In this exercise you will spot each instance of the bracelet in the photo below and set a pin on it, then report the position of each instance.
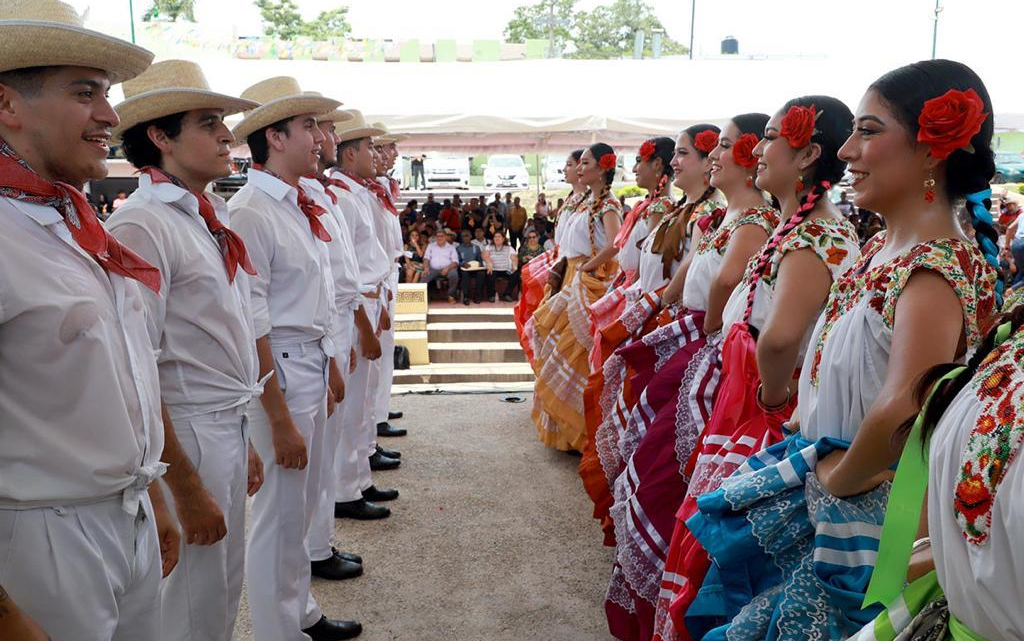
(920, 544)
(772, 408)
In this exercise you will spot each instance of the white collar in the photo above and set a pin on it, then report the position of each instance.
(41, 214)
(273, 186)
(171, 194)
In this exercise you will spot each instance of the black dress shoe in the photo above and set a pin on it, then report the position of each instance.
(389, 453)
(330, 630)
(394, 415)
(336, 568)
(376, 494)
(348, 556)
(465, 301)
(385, 429)
(361, 510)
(379, 462)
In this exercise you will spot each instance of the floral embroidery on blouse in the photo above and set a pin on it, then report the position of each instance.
(834, 240)
(661, 206)
(994, 440)
(765, 217)
(960, 264)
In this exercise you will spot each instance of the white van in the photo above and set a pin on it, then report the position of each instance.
(505, 171)
(446, 170)
(554, 172)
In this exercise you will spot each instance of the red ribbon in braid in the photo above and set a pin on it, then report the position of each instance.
(769, 250)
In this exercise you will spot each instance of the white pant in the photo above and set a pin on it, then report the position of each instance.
(358, 429)
(386, 374)
(319, 540)
(282, 510)
(84, 573)
(200, 598)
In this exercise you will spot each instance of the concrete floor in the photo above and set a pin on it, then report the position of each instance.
(491, 539)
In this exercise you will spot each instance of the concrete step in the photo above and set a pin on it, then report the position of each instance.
(522, 389)
(475, 332)
(410, 322)
(470, 314)
(443, 373)
(477, 353)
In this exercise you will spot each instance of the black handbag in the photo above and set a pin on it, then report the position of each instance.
(402, 357)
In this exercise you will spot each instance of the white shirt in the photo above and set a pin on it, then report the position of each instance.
(293, 294)
(200, 323)
(79, 389)
(374, 264)
(389, 226)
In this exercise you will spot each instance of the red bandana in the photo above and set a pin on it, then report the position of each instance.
(19, 182)
(376, 189)
(232, 247)
(308, 206)
(396, 191)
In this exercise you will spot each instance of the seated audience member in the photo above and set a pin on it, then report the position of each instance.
(470, 269)
(432, 208)
(410, 213)
(501, 263)
(531, 248)
(441, 258)
(450, 216)
(480, 239)
(413, 260)
(493, 223)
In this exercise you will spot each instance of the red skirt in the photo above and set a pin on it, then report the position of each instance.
(665, 427)
(602, 391)
(737, 429)
(534, 280)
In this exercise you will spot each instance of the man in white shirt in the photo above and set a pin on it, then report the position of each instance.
(356, 496)
(292, 299)
(172, 131)
(352, 325)
(82, 526)
(442, 260)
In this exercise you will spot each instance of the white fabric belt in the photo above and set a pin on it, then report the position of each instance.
(239, 403)
(130, 497)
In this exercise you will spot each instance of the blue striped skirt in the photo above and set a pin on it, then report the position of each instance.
(790, 561)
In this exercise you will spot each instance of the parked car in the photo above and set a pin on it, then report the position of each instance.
(505, 171)
(446, 170)
(554, 166)
(1009, 167)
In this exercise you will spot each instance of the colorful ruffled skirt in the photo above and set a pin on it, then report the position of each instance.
(561, 347)
(737, 429)
(675, 406)
(791, 561)
(534, 279)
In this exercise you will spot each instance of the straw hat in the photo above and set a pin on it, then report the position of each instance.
(280, 98)
(171, 87)
(355, 128)
(472, 266)
(49, 33)
(338, 115)
(387, 137)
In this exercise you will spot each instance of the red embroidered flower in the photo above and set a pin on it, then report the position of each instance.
(607, 162)
(743, 150)
(798, 126)
(705, 141)
(973, 499)
(836, 255)
(994, 383)
(950, 121)
(647, 150)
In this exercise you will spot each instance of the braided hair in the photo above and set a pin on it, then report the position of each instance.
(905, 90)
(664, 147)
(831, 130)
(597, 150)
(944, 394)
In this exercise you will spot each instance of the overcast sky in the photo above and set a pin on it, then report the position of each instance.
(881, 33)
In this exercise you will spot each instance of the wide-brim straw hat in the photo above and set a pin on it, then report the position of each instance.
(387, 137)
(355, 128)
(171, 87)
(472, 266)
(280, 98)
(50, 33)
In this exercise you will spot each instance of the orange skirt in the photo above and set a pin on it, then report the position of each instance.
(562, 342)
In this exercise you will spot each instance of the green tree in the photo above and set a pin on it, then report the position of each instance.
(282, 20)
(534, 22)
(171, 10)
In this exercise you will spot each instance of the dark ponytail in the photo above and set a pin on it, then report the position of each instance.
(943, 395)
(905, 90)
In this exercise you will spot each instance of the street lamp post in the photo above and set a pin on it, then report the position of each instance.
(935, 26)
(131, 19)
(693, 18)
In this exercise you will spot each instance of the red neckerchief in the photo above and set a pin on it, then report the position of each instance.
(307, 205)
(327, 182)
(375, 188)
(19, 182)
(396, 190)
(232, 247)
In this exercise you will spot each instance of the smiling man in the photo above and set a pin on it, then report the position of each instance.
(172, 131)
(293, 310)
(81, 526)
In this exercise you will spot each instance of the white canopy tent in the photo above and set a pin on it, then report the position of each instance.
(540, 106)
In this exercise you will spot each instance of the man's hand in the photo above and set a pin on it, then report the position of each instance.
(202, 521)
(335, 387)
(16, 625)
(255, 469)
(444, 272)
(385, 319)
(166, 531)
(352, 360)
(289, 446)
(369, 346)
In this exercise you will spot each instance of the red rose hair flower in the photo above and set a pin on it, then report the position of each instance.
(647, 150)
(607, 162)
(743, 150)
(950, 121)
(706, 141)
(798, 125)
